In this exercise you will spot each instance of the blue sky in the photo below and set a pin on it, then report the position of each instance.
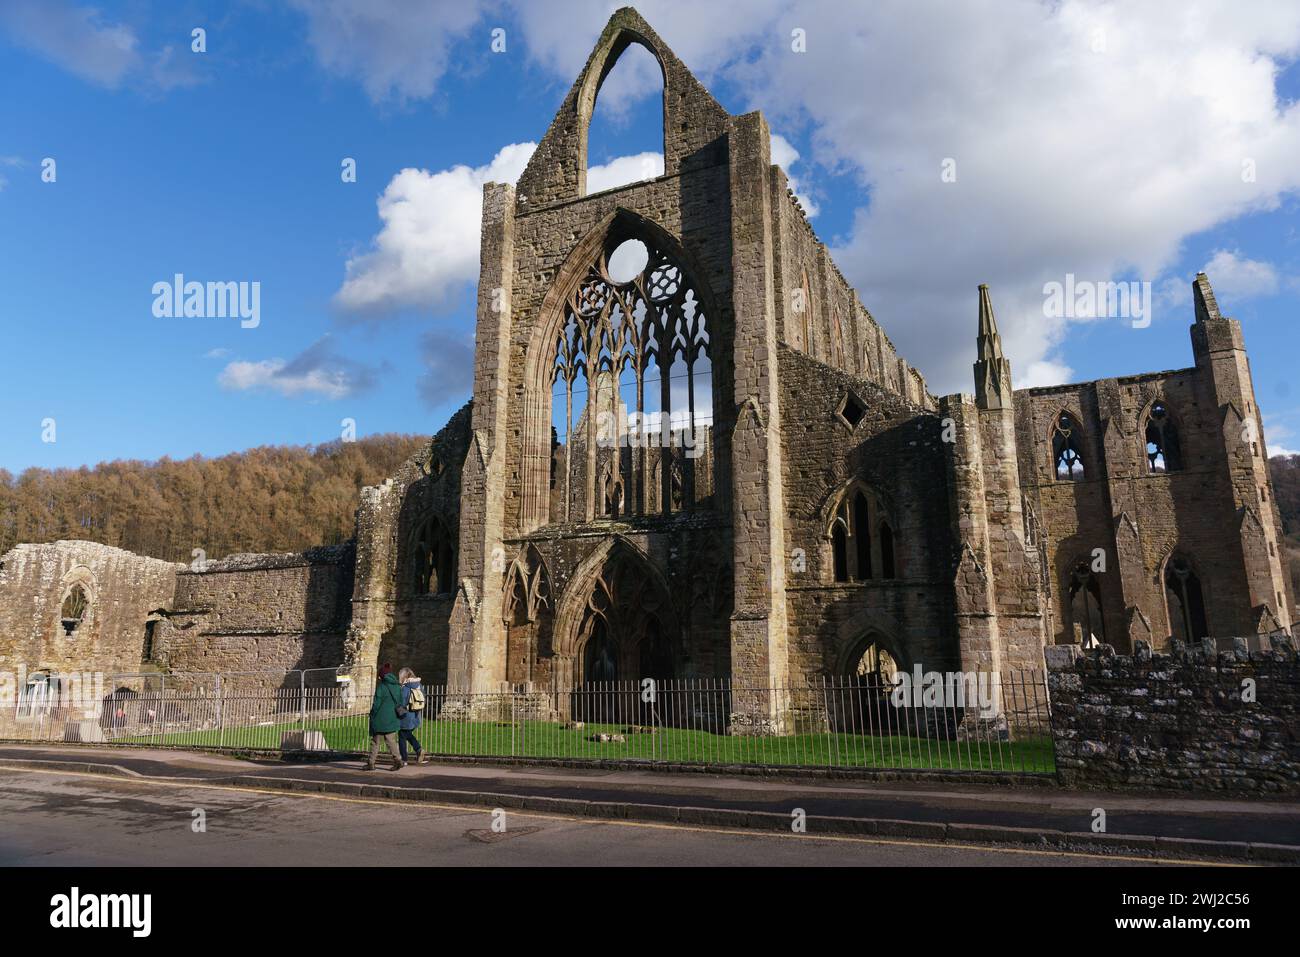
(1115, 163)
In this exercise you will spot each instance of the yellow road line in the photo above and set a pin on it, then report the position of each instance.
(660, 825)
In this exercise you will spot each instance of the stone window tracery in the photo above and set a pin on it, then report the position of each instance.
(631, 390)
(433, 558)
(528, 615)
(862, 537)
(624, 634)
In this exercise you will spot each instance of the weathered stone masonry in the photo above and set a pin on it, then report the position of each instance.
(827, 517)
(1193, 720)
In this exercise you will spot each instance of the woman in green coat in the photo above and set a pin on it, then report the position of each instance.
(384, 720)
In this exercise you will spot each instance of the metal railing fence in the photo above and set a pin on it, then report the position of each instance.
(954, 722)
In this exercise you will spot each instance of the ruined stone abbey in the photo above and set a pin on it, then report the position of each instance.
(692, 452)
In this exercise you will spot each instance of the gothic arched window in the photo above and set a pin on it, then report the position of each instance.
(1163, 454)
(627, 626)
(433, 558)
(872, 664)
(1085, 606)
(1186, 601)
(862, 534)
(632, 387)
(528, 619)
(1067, 448)
(840, 552)
(74, 608)
(862, 538)
(886, 537)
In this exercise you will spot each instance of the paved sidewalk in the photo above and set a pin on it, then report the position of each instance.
(1041, 808)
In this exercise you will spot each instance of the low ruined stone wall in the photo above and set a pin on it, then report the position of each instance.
(1194, 720)
(259, 613)
(122, 592)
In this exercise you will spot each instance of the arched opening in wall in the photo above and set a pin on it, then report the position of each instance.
(433, 557)
(625, 137)
(147, 652)
(861, 704)
(519, 652)
(840, 552)
(656, 655)
(1162, 449)
(1067, 448)
(1086, 621)
(1185, 600)
(625, 635)
(74, 608)
(886, 537)
(528, 619)
(640, 441)
(611, 490)
(599, 664)
(872, 662)
(861, 536)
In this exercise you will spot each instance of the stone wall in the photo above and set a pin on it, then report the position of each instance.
(819, 313)
(1179, 721)
(390, 622)
(1215, 511)
(123, 591)
(897, 449)
(259, 613)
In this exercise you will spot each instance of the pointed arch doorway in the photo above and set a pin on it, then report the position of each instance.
(623, 631)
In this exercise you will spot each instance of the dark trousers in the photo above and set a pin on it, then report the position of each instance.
(404, 736)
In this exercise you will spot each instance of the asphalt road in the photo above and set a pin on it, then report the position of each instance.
(1255, 818)
(60, 818)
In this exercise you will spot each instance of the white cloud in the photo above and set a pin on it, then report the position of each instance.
(318, 370)
(1072, 155)
(75, 38)
(396, 49)
(1236, 277)
(1042, 372)
(240, 376)
(785, 156)
(705, 36)
(428, 246)
(427, 250)
(1275, 433)
(623, 170)
(1100, 164)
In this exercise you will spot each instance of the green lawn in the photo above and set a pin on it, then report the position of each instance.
(546, 739)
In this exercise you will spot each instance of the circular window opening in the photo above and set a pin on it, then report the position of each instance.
(628, 261)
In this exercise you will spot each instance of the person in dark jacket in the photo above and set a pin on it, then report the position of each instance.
(411, 720)
(384, 720)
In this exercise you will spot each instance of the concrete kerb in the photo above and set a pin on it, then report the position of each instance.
(79, 767)
(772, 772)
(1182, 848)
